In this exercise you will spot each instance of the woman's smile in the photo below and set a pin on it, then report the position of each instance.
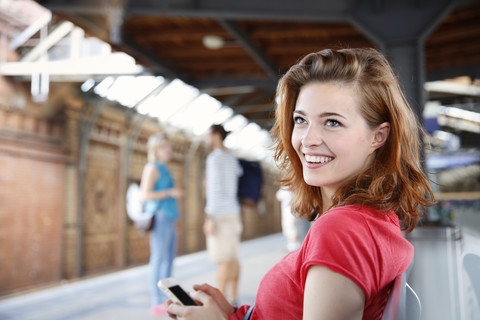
(316, 161)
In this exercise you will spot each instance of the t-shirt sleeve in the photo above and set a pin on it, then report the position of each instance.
(241, 312)
(342, 242)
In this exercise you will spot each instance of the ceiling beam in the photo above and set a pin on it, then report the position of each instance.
(255, 103)
(253, 108)
(26, 34)
(229, 90)
(85, 66)
(267, 84)
(260, 117)
(155, 64)
(304, 10)
(75, 7)
(57, 34)
(287, 10)
(241, 36)
(267, 123)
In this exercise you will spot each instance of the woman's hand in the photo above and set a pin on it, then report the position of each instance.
(176, 193)
(212, 305)
(217, 295)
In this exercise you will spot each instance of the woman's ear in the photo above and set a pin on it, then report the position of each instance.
(381, 135)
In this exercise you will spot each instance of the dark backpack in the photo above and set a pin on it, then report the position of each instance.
(250, 183)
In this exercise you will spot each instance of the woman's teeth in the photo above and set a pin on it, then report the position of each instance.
(317, 159)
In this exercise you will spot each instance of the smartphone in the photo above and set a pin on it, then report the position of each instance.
(172, 290)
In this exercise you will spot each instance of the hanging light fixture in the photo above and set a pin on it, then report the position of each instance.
(213, 42)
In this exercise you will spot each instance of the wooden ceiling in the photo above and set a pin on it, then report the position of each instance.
(259, 44)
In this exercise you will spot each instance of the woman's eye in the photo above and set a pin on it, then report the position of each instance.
(299, 120)
(333, 123)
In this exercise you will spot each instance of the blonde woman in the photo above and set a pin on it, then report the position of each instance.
(160, 197)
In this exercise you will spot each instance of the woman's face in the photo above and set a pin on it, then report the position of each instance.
(164, 151)
(331, 137)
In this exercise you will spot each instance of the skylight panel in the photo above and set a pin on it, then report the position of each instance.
(102, 88)
(197, 116)
(87, 85)
(170, 100)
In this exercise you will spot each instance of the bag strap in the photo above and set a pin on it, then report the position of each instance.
(249, 312)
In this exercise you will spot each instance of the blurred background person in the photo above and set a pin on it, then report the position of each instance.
(160, 197)
(294, 229)
(223, 224)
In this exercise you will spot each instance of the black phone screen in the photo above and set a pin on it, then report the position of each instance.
(182, 295)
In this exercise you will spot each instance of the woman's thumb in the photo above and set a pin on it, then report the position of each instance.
(200, 297)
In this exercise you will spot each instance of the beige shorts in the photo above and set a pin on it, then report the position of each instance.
(224, 244)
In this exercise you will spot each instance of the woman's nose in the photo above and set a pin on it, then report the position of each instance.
(312, 137)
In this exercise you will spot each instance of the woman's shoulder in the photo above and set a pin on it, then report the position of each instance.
(355, 217)
(158, 165)
(150, 167)
(354, 227)
(155, 167)
(355, 212)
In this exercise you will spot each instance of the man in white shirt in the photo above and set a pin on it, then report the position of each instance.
(223, 224)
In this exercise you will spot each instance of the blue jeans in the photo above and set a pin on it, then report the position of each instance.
(163, 248)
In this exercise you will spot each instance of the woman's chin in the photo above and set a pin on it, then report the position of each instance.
(312, 181)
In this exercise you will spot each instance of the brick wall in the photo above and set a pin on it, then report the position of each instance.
(32, 175)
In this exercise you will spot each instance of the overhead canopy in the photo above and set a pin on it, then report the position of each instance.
(236, 50)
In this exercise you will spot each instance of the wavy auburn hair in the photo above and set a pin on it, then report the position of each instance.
(395, 180)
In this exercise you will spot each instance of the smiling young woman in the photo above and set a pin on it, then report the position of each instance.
(348, 147)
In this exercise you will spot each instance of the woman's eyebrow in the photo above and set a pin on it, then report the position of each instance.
(322, 115)
(331, 114)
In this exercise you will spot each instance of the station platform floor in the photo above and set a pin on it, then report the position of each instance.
(124, 295)
(437, 277)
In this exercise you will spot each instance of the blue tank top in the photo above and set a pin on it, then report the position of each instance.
(167, 206)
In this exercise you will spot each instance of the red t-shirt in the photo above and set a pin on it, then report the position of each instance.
(360, 243)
